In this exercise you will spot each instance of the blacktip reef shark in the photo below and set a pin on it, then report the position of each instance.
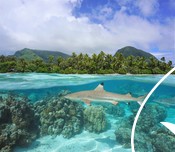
(169, 125)
(100, 95)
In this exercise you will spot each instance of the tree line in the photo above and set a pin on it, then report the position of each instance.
(84, 64)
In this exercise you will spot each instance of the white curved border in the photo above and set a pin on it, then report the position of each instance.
(170, 126)
(142, 105)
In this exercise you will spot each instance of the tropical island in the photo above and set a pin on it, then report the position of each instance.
(125, 60)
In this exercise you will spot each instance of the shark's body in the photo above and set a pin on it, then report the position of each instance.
(100, 95)
(169, 125)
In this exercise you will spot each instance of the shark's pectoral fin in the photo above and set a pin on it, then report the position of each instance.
(114, 102)
(140, 99)
(86, 101)
(139, 102)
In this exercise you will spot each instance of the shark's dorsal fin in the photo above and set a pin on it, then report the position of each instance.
(129, 94)
(99, 87)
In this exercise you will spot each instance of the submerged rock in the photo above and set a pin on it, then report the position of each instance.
(18, 124)
(94, 119)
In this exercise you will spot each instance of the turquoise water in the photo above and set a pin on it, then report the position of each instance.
(37, 87)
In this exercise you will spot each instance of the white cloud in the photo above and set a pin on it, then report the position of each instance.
(147, 7)
(22, 19)
(124, 3)
(170, 55)
(100, 13)
(44, 24)
(139, 32)
(167, 39)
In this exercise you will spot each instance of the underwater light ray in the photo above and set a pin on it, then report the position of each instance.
(143, 104)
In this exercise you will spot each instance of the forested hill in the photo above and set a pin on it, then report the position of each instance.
(28, 60)
(31, 54)
(129, 50)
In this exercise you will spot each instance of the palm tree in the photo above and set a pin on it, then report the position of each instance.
(2, 58)
(163, 59)
(170, 63)
(22, 65)
(108, 61)
(59, 60)
(153, 62)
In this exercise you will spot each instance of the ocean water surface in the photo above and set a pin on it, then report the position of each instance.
(43, 88)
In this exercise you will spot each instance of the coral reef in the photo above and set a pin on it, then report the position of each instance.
(151, 115)
(149, 135)
(18, 123)
(22, 121)
(162, 139)
(123, 133)
(59, 116)
(94, 119)
(123, 136)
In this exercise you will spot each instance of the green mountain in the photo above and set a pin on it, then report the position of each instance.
(129, 50)
(31, 54)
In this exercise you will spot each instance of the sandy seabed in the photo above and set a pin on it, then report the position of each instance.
(84, 142)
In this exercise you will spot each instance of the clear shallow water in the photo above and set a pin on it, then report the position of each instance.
(22, 81)
(84, 142)
(38, 86)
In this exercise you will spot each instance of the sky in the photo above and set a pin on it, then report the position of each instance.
(88, 26)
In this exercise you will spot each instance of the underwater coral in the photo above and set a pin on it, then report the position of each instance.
(149, 135)
(114, 110)
(94, 119)
(60, 116)
(18, 123)
(21, 122)
(162, 139)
